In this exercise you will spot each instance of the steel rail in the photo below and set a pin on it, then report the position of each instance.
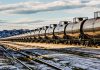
(14, 58)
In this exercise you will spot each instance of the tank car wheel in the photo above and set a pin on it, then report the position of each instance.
(66, 42)
(83, 43)
(69, 42)
(88, 43)
(56, 42)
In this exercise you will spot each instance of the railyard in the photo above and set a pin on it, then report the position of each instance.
(49, 35)
(34, 57)
(68, 45)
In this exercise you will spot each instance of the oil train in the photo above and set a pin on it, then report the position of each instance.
(82, 31)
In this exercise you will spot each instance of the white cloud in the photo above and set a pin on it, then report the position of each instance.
(41, 7)
(34, 7)
(79, 7)
(26, 23)
(24, 26)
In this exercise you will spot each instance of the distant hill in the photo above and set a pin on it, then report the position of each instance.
(8, 33)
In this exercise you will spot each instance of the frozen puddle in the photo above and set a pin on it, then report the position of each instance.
(73, 62)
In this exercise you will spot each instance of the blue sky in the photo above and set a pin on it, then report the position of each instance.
(17, 14)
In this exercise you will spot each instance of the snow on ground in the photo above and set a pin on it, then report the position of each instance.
(70, 61)
(73, 61)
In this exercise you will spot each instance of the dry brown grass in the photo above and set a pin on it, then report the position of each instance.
(25, 45)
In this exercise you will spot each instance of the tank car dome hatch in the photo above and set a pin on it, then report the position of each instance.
(97, 14)
(40, 28)
(67, 22)
(54, 25)
(47, 26)
(62, 23)
(36, 29)
(78, 19)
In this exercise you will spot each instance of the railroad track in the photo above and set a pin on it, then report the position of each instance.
(38, 56)
(6, 62)
(76, 51)
(32, 58)
(14, 59)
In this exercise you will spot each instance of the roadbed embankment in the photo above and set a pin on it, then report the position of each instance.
(73, 49)
(37, 45)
